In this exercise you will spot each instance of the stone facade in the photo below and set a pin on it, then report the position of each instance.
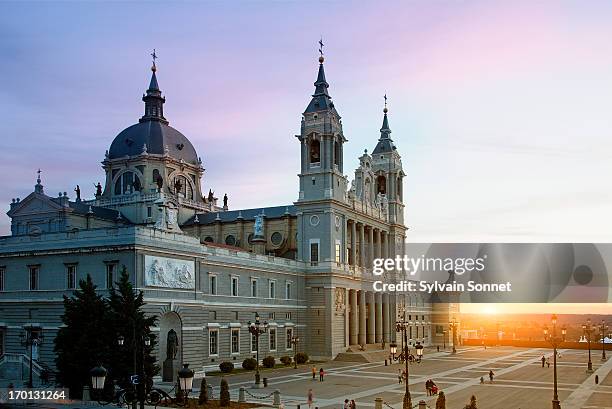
(205, 270)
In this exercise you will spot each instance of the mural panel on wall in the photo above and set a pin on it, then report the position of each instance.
(169, 272)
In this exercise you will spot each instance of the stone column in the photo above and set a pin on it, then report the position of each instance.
(371, 318)
(361, 245)
(362, 318)
(384, 246)
(347, 330)
(370, 248)
(353, 243)
(353, 320)
(379, 317)
(385, 318)
(377, 253)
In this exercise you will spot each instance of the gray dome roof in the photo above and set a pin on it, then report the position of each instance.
(156, 135)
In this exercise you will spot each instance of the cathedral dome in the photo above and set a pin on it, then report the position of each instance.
(153, 132)
(157, 136)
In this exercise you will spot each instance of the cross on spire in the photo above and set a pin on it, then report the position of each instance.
(321, 46)
(38, 177)
(154, 56)
(385, 110)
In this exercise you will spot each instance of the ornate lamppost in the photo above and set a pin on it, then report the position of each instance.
(256, 329)
(554, 341)
(185, 376)
(587, 328)
(294, 341)
(402, 326)
(30, 337)
(453, 325)
(602, 328)
(138, 380)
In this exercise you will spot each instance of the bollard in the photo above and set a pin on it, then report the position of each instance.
(596, 379)
(422, 405)
(265, 382)
(378, 402)
(241, 397)
(277, 398)
(86, 395)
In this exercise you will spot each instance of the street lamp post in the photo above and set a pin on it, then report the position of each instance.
(256, 329)
(294, 341)
(29, 337)
(453, 325)
(139, 383)
(185, 376)
(602, 328)
(587, 328)
(444, 332)
(554, 340)
(402, 326)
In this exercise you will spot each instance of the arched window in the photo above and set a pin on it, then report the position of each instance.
(337, 153)
(315, 151)
(181, 187)
(125, 183)
(399, 188)
(381, 185)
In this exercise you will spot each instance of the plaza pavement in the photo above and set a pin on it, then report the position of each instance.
(520, 381)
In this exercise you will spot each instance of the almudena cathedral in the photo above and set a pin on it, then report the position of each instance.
(205, 270)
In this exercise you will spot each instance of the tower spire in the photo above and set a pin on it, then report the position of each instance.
(38, 188)
(321, 100)
(385, 144)
(154, 102)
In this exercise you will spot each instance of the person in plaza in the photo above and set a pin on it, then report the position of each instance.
(428, 387)
(321, 374)
(491, 374)
(548, 362)
(482, 379)
(314, 372)
(399, 376)
(310, 398)
(433, 388)
(347, 404)
(353, 406)
(543, 361)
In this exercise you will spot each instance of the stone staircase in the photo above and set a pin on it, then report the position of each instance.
(370, 353)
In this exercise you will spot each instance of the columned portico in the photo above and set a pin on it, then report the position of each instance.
(385, 318)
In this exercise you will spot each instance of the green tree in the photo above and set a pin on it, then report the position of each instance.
(203, 398)
(224, 395)
(129, 321)
(84, 341)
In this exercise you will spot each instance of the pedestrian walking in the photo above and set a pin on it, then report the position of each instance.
(314, 372)
(347, 404)
(321, 373)
(491, 374)
(399, 376)
(428, 387)
(353, 406)
(548, 362)
(543, 361)
(482, 379)
(310, 398)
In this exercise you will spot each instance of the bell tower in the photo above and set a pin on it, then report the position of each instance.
(321, 140)
(388, 172)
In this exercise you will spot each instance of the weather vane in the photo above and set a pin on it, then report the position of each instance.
(321, 46)
(385, 99)
(38, 177)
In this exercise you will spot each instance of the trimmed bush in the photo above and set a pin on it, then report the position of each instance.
(224, 395)
(268, 362)
(286, 360)
(301, 357)
(203, 398)
(226, 367)
(249, 364)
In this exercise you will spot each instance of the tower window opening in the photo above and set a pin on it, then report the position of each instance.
(315, 151)
(381, 185)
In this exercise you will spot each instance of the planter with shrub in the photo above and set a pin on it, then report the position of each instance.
(286, 360)
(249, 364)
(226, 367)
(301, 357)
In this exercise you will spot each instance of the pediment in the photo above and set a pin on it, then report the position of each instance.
(35, 203)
